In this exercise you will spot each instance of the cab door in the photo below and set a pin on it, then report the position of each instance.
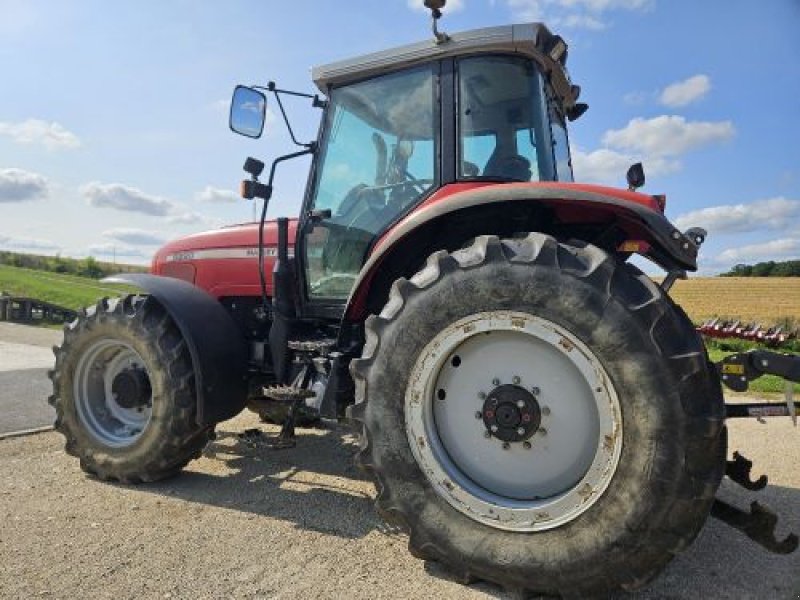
(377, 160)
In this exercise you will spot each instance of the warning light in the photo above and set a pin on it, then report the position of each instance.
(638, 246)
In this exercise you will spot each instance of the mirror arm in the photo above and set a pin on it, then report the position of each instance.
(310, 149)
(316, 103)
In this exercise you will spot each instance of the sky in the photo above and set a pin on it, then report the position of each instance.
(113, 116)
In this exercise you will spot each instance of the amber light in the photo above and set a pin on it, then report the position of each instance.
(639, 246)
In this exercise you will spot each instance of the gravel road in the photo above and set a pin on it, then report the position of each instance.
(248, 522)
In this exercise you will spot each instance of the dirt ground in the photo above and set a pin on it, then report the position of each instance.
(248, 522)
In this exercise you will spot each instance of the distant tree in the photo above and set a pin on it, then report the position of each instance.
(92, 269)
(787, 268)
(60, 265)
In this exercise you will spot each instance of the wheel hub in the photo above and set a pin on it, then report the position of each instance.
(511, 413)
(131, 388)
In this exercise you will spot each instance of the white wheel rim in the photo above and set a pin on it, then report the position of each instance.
(573, 454)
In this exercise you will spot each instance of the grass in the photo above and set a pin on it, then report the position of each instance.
(68, 291)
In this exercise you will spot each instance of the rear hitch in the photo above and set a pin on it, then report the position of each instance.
(758, 525)
(738, 470)
(737, 370)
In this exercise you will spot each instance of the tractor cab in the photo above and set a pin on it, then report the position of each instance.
(486, 106)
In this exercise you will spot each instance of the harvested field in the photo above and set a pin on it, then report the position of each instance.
(765, 299)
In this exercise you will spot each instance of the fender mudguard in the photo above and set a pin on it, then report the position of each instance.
(218, 350)
(670, 248)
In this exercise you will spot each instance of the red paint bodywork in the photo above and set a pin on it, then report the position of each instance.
(225, 277)
(571, 211)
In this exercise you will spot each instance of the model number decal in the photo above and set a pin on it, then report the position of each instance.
(223, 253)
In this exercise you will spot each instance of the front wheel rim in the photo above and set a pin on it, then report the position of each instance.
(103, 415)
(534, 467)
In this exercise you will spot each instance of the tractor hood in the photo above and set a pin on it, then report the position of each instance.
(223, 261)
(243, 235)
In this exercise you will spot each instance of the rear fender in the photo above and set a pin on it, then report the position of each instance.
(217, 348)
(566, 206)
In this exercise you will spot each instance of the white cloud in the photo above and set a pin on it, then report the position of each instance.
(579, 21)
(217, 195)
(575, 14)
(117, 250)
(775, 249)
(667, 135)
(187, 218)
(768, 214)
(27, 244)
(451, 6)
(52, 136)
(136, 237)
(609, 166)
(17, 185)
(123, 197)
(685, 92)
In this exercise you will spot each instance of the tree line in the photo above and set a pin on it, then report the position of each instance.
(786, 268)
(81, 267)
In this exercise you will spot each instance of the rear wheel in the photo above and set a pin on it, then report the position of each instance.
(123, 390)
(540, 416)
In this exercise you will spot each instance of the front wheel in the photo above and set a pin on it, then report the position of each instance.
(540, 416)
(123, 390)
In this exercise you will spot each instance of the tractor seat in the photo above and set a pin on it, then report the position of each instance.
(509, 166)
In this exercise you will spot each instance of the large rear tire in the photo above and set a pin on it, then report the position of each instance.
(123, 390)
(609, 463)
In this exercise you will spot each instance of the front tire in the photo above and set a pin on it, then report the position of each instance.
(123, 390)
(630, 487)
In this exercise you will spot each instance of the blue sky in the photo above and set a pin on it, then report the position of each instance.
(113, 116)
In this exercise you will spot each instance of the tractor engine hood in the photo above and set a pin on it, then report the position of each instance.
(224, 262)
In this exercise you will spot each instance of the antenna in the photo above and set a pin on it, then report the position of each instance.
(436, 7)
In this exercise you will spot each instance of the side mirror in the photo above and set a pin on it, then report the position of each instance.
(248, 111)
(635, 176)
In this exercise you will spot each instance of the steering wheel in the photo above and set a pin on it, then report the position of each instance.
(358, 195)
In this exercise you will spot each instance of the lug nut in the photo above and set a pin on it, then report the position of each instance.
(526, 445)
(535, 391)
(495, 382)
(520, 431)
(516, 379)
(506, 445)
(520, 404)
(494, 428)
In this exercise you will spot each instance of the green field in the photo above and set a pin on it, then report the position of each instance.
(68, 291)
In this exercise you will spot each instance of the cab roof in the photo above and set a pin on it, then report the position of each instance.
(533, 40)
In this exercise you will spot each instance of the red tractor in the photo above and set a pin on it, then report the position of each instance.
(535, 410)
